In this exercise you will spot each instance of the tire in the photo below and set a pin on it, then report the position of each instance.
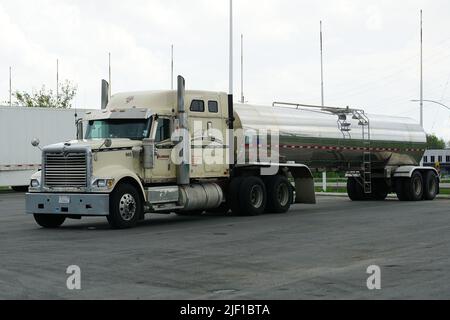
(414, 187)
(380, 190)
(125, 207)
(49, 221)
(355, 190)
(20, 188)
(233, 195)
(431, 186)
(252, 197)
(400, 189)
(280, 194)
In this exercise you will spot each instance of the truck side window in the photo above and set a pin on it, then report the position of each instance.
(198, 106)
(213, 107)
(163, 131)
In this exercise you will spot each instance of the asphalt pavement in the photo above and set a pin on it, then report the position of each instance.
(317, 251)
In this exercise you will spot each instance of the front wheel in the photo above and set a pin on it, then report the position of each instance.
(49, 221)
(125, 207)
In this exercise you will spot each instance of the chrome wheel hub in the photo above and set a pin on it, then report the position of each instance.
(283, 194)
(256, 196)
(127, 207)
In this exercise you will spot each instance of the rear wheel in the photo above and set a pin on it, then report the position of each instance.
(401, 190)
(279, 194)
(355, 190)
(431, 185)
(380, 190)
(49, 221)
(125, 207)
(252, 196)
(233, 199)
(411, 189)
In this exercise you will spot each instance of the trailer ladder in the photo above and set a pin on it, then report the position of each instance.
(367, 154)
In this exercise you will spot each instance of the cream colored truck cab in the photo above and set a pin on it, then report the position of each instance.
(131, 160)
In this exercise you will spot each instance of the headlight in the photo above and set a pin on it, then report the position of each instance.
(34, 183)
(104, 183)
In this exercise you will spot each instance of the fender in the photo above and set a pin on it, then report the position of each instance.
(407, 171)
(118, 173)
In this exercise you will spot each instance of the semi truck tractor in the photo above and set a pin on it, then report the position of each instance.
(190, 152)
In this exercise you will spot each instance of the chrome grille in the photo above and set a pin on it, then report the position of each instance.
(65, 170)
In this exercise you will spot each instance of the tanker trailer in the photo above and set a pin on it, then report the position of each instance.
(379, 154)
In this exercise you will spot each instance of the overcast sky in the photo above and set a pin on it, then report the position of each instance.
(371, 48)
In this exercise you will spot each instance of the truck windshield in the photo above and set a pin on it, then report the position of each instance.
(118, 128)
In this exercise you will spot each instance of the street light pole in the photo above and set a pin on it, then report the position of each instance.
(432, 101)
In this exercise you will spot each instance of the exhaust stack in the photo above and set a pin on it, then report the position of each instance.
(183, 170)
(105, 94)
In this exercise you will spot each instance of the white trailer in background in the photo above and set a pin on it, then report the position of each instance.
(18, 126)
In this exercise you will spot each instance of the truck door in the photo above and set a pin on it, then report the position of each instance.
(163, 167)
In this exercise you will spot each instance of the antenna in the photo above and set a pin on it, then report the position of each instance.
(171, 74)
(10, 88)
(321, 65)
(57, 82)
(230, 90)
(242, 69)
(109, 68)
(421, 68)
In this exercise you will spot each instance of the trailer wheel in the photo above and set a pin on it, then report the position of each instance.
(431, 185)
(380, 190)
(355, 190)
(49, 221)
(252, 196)
(413, 187)
(400, 189)
(125, 207)
(233, 199)
(279, 194)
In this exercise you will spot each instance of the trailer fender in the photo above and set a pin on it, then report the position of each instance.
(407, 171)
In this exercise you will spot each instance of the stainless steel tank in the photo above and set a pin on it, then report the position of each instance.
(314, 137)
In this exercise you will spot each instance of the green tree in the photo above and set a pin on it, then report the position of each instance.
(47, 98)
(434, 142)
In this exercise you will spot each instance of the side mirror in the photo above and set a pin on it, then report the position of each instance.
(35, 142)
(108, 143)
(80, 129)
(149, 153)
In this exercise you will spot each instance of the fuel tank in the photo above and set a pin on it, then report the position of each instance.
(320, 140)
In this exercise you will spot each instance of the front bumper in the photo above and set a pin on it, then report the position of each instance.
(67, 204)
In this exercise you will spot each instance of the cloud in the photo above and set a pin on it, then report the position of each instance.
(370, 58)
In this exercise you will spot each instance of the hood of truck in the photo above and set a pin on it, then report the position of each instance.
(95, 144)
